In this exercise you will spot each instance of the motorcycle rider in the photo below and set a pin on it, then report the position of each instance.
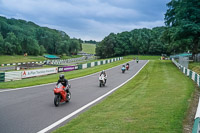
(123, 67)
(63, 81)
(104, 74)
(127, 66)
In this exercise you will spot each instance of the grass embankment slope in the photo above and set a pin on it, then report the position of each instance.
(6, 59)
(155, 101)
(88, 48)
(195, 66)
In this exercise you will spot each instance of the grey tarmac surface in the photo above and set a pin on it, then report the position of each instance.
(32, 109)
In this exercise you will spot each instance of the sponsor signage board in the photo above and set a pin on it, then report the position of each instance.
(38, 72)
(67, 68)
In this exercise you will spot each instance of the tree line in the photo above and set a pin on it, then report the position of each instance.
(181, 34)
(138, 41)
(20, 36)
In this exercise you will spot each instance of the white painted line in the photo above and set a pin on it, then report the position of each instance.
(85, 106)
(28, 87)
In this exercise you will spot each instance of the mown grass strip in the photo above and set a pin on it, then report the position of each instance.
(88, 48)
(6, 59)
(54, 77)
(156, 100)
(143, 57)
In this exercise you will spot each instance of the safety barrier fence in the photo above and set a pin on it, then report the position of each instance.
(18, 75)
(196, 78)
(92, 64)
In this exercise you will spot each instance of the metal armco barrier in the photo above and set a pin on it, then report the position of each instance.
(97, 63)
(2, 77)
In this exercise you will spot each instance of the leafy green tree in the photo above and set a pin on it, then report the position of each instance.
(42, 50)
(183, 16)
(22, 36)
(74, 46)
(1, 44)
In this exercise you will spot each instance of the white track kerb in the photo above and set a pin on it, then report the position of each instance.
(87, 105)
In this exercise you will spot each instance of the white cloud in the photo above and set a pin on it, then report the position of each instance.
(87, 19)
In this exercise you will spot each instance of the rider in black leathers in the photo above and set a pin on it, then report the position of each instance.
(63, 81)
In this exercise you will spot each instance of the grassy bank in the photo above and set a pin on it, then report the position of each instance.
(143, 57)
(54, 77)
(155, 101)
(195, 66)
(88, 48)
(6, 59)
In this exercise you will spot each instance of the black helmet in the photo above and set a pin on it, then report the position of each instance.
(62, 76)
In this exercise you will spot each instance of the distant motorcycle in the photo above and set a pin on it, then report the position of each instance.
(127, 67)
(123, 69)
(61, 95)
(102, 80)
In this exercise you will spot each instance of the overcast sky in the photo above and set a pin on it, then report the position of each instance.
(88, 19)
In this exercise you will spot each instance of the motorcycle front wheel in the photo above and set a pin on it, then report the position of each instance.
(56, 100)
(68, 96)
(100, 83)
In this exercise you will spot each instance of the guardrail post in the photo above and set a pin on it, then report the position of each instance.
(96, 63)
(2, 77)
(195, 128)
(88, 65)
(195, 79)
(80, 66)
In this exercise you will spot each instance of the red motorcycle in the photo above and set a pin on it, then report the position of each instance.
(61, 95)
(127, 67)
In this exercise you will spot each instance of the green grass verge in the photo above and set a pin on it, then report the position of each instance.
(143, 57)
(88, 48)
(6, 59)
(195, 66)
(54, 77)
(155, 101)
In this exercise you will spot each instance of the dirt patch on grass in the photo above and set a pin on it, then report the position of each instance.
(189, 120)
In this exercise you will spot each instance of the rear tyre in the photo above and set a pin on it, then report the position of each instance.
(100, 84)
(57, 100)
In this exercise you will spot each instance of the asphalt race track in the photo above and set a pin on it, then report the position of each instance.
(32, 109)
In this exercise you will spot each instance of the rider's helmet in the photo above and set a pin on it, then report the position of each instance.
(103, 71)
(62, 76)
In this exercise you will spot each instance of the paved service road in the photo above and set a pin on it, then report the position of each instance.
(32, 109)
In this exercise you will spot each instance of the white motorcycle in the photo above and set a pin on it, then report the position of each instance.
(102, 80)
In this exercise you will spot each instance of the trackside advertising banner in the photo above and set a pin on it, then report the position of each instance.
(39, 72)
(67, 68)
